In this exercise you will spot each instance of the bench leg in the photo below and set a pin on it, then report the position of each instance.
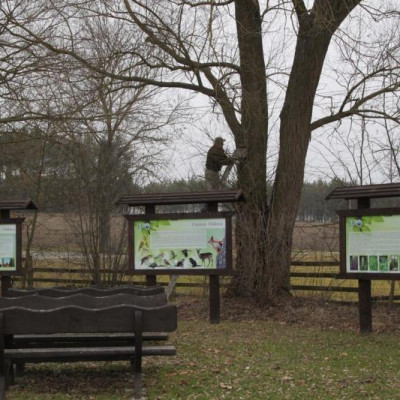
(137, 361)
(10, 380)
(5, 379)
(2, 387)
(3, 362)
(19, 369)
(138, 385)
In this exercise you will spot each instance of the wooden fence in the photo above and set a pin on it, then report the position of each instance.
(308, 278)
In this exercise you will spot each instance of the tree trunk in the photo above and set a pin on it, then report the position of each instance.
(251, 222)
(265, 238)
(295, 135)
(314, 36)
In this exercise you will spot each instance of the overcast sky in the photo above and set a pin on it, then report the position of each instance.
(321, 163)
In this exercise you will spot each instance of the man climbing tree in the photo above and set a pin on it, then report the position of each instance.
(216, 159)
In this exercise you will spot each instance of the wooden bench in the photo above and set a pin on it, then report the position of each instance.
(39, 302)
(75, 320)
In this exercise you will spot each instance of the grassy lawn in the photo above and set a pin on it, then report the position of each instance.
(237, 360)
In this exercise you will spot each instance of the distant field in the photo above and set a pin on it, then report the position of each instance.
(319, 238)
(54, 233)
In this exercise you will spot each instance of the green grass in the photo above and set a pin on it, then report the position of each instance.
(250, 360)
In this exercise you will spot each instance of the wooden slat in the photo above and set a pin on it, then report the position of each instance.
(84, 353)
(57, 281)
(59, 271)
(219, 196)
(325, 288)
(39, 302)
(367, 191)
(40, 340)
(73, 319)
(91, 291)
(19, 204)
(313, 275)
(315, 263)
(62, 270)
(385, 298)
(88, 282)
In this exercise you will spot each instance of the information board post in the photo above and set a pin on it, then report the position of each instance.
(5, 280)
(151, 280)
(214, 285)
(364, 287)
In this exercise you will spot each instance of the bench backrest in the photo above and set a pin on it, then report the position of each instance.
(74, 319)
(91, 291)
(39, 302)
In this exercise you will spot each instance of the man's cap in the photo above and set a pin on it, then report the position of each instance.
(219, 139)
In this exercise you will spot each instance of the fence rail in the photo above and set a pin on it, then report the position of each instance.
(307, 278)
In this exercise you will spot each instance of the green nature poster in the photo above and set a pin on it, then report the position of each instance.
(185, 243)
(8, 247)
(373, 244)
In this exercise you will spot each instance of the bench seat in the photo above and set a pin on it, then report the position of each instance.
(56, 354)
(78, 339)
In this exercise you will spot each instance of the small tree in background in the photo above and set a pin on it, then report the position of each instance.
(105, 139)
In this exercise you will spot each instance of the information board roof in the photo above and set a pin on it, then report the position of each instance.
(25, 204)
(367, 191)
(214, 196)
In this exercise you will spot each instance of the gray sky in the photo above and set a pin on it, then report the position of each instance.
(346, 160)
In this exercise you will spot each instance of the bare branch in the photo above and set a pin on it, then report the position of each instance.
(212, 3)
(300, 9)
(131, 78)
(226, 105)
(355, 109)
